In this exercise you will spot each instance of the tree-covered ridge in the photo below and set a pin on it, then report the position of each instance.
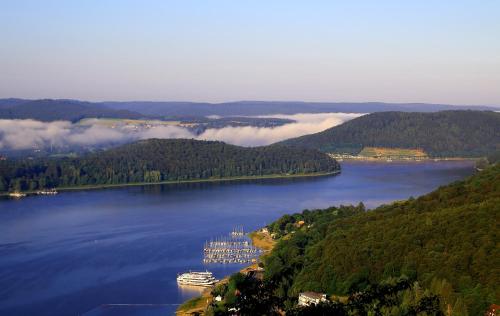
(446, 240)
(157, 160)
(60, 110)
(440, 134)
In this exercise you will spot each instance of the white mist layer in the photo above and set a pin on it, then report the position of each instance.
(28, 134)
(305, 123)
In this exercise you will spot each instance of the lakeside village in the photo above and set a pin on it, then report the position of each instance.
(237, 248)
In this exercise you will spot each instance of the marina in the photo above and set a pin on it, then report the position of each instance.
(235, 248)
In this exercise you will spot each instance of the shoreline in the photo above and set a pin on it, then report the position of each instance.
(242, 178)
(260, 240)
(226, 179)
(391, 159)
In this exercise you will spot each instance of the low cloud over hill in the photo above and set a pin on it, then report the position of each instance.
(26, 134)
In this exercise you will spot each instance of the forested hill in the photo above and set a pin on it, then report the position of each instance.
(446, 241)
(440, 134)
(59, 110)
(157, 160)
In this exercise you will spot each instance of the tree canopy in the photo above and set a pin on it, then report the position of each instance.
(157, 160)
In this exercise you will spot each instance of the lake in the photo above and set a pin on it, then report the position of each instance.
(69, 253)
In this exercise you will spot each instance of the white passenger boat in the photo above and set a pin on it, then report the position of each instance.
(197, 278)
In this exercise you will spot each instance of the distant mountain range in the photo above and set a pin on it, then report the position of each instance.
(74, 110)
(283, 107)
(441, 134)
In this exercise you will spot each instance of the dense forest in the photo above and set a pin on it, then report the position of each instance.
(441, 134)
(157, 160)
(434, 255)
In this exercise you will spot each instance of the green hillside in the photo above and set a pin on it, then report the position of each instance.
(432, 255)
(160, 160)
(440, 134)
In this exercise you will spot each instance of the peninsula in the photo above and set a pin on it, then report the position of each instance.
(156, 161)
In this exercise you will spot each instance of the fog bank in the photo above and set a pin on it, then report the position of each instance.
(31, 134)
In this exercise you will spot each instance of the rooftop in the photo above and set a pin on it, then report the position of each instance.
(314, 295)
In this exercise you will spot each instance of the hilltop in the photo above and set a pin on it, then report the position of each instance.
(440, 134)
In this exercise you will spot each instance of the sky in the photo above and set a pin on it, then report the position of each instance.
(214, 51)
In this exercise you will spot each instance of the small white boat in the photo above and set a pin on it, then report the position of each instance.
(17, 195)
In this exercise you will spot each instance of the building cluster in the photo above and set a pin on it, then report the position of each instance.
(311, 298)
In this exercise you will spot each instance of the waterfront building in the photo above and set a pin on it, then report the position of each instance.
(310, 298)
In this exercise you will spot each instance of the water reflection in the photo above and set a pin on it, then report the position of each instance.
(191, 290)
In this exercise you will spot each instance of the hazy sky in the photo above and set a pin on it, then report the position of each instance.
(210, 50)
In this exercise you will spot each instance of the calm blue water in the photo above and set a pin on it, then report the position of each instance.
(66, 254)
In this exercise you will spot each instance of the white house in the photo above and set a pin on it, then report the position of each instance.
(308, 298)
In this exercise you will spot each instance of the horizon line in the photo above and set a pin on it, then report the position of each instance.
(250, 101)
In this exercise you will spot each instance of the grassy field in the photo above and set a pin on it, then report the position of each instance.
(384, 152)
(194, 306)
(262, 240)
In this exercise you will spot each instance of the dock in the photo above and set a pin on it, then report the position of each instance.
(234, 248)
